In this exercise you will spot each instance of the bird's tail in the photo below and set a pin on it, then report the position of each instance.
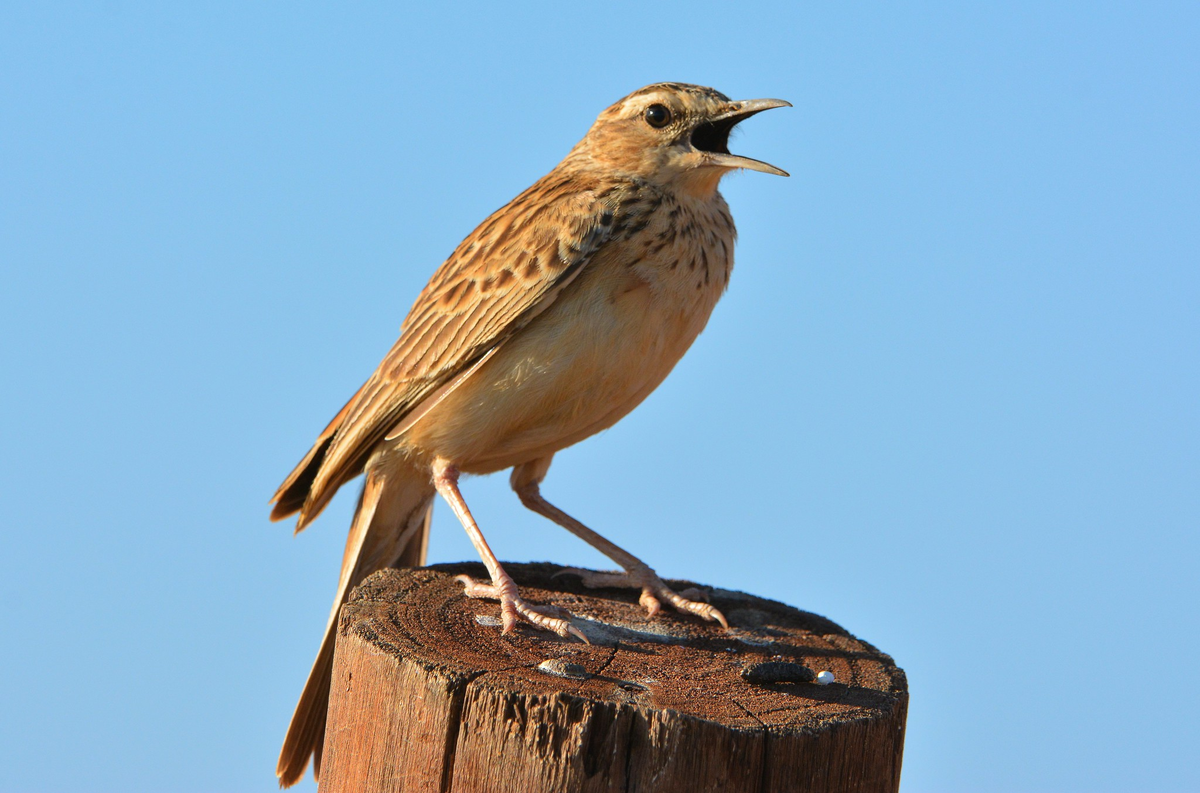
(390, 529)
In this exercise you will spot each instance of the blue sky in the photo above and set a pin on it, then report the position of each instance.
(950, 400)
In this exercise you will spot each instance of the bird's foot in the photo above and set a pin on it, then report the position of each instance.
(654, 591)
(514, 608)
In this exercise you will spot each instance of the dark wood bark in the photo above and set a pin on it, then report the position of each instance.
(427, 695)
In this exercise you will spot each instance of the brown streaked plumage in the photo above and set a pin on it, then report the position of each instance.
(551, 321)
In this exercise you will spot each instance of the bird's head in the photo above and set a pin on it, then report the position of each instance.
(673, 134)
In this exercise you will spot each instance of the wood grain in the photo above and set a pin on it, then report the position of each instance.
(427, 695)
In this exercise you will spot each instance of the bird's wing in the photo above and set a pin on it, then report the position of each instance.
(500, 277)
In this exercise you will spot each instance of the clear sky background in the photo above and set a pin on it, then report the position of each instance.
(950, 400)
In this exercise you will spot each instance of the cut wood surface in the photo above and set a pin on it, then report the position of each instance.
(427, 695)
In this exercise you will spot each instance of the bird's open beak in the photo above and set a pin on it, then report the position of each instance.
(712, 137)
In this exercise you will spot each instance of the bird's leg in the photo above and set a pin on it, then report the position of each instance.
(512, 606)
(526, 481)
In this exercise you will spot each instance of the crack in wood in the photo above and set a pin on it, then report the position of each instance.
(457, 697)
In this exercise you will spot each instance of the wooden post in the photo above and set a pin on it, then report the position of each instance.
(427, 695)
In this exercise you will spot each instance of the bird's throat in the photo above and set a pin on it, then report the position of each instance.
(702, 183)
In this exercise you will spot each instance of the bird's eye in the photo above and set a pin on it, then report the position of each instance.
(658, 116)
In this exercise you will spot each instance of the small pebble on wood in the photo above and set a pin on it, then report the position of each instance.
(561, 668)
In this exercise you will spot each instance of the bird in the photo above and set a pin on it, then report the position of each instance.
(550, 322)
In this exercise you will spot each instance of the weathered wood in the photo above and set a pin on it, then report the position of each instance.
(427, 695)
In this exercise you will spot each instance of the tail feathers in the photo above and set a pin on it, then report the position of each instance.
(306, 733)
(390, 528)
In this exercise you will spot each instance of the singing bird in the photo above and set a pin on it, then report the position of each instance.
(550, 322)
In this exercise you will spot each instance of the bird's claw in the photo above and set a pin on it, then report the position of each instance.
(514, 609)
(654, 591)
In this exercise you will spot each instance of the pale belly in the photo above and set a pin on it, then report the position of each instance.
(593, 356)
